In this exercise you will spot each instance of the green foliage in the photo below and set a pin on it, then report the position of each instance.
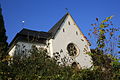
(100, 59)
(4, 69)
(39, 66)
(3, 48)
(106, 66)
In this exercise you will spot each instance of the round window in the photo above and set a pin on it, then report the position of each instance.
(72, 49)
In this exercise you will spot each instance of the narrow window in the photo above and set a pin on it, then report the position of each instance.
(61, 51)
(69, 22)
(85, 50)
(74, 64)
(86, 46)
(76, 33)
(63, 30)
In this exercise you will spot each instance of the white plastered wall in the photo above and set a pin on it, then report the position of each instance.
(24, 46)
(68, 35)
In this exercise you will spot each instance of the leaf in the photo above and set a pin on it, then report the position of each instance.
(89, 34)
(102, 37)
(111, 33)
(102, 31)
(102, 26)
(89, 53)
(101, 45)
(96, 19)
(104, 21)
(109, 18)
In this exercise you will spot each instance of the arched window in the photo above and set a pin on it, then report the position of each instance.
(76, 33)
(76, 65)
(69, 22)
(72, 49)
(63, 30)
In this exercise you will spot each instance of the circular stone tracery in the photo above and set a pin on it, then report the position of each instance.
(72, 49)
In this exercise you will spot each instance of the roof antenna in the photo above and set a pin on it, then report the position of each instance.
(67, 10)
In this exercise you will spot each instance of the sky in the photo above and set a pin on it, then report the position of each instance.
(41, 15)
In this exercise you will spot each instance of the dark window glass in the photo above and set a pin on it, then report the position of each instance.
(63, 30)
(76, 33)
(69, 22)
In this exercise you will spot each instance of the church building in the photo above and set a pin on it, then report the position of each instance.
(64, 41)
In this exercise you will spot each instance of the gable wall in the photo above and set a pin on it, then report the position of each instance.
(62, 39)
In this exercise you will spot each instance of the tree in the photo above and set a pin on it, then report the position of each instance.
(105, 35)
(3, 37)
(3, 49)
(105, 56)
(39, 66)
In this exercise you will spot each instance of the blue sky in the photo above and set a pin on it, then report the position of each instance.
(41, 15)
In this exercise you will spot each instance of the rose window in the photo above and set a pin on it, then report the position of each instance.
(72, 49)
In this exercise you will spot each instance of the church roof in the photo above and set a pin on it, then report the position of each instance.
(32, 33)
(57, 26)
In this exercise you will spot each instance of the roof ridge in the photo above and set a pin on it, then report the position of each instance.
(31, 30)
